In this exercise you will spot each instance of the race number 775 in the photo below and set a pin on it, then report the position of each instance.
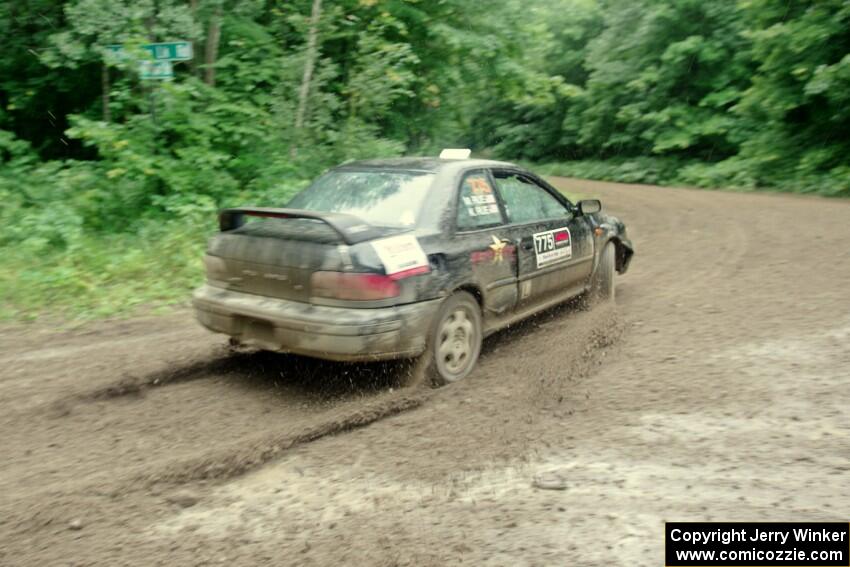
(544, 242)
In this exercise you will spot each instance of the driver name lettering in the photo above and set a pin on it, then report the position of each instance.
(477, 205)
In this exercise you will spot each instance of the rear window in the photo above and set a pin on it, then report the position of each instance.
(381, 198)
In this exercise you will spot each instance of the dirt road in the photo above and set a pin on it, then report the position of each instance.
(716, 390)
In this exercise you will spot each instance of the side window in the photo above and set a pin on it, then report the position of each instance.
(526, 201)
(477, 206)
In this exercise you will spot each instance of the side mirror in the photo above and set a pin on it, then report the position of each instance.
(589, 206)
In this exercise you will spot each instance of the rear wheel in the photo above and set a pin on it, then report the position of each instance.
(454, 341)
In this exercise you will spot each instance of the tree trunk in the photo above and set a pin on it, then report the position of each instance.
(193, 63)
(309, 64)
(104, 87)
(211, 52)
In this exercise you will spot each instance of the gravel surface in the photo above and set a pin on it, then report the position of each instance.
(716, 389)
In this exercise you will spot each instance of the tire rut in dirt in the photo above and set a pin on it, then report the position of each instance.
(217, 418)
(227, 462)
(316, 379)
(135, 385)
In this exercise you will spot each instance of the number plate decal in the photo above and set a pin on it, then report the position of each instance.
(552, 246)
(400, 254)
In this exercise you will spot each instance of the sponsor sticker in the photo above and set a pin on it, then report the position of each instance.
(552, 246)
(480, 200)
(479, 186)
(401, 254)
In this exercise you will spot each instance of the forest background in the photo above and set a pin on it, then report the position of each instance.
(109, 182)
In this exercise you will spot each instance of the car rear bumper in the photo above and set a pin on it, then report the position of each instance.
(334, 333)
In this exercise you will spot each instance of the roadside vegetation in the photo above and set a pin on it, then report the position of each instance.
(109, 183)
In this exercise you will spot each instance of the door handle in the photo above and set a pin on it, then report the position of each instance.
(527, 245)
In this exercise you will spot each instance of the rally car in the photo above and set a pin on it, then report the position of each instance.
(404, 258)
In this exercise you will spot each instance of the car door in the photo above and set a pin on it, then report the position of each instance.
(554, 245)
(481, 243)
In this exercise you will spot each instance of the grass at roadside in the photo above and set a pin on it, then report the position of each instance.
(111, 275)
(106, 275)
(102, 276)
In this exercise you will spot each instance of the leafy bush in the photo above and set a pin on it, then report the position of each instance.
(637, 170)
(107, 181)
(100, 276)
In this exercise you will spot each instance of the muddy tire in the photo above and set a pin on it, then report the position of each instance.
(453, 344)
(602, 284)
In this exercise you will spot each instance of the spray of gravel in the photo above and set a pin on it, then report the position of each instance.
(497, 433)
(575, 339)
(550, 355)
(529, 373)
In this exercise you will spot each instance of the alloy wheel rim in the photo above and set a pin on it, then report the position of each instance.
(456, 342)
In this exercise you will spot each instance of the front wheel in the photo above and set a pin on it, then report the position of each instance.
(454, 341)
(602, 283)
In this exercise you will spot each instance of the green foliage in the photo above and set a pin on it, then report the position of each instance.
(98, 277)
(798, 104)
(651, 170)
(725, 94)
(656, 76)
(104, 175)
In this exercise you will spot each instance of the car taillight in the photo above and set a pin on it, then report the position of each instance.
(353, 286)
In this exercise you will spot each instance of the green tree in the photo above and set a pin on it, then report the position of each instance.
(663, 78)
(798, 105)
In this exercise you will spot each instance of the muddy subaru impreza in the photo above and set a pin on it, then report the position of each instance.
(403, 258)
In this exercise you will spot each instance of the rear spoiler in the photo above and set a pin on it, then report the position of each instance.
(349, 227)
